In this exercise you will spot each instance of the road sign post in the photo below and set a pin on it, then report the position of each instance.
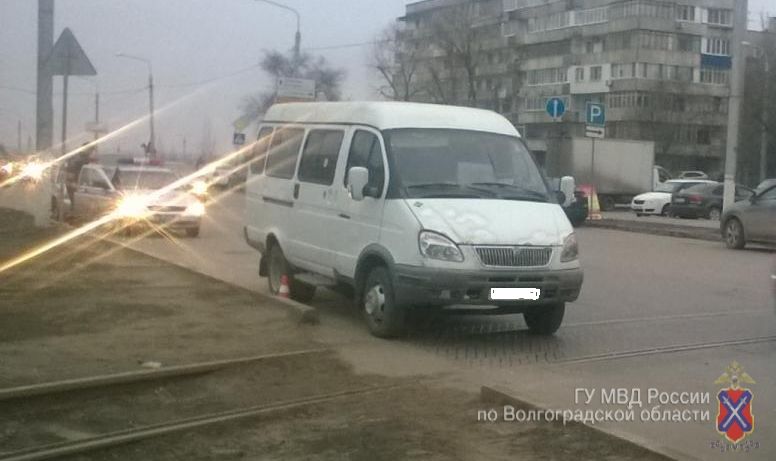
(595, 116)
(68, 58)
(556, 108)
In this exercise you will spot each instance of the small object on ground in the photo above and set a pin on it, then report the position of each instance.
(152, 365)
(284, 291)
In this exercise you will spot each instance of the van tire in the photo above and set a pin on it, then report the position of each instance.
(545, 320)
(383, 316)
(277, 265)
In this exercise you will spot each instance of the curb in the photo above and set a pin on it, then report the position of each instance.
(297, 312)
(666, 230)
(496, 395)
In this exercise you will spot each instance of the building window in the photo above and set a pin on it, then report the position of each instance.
(720, 17)
(595, 74)
(717, 46)
(685, 13)
(579, 74)
(546, 76)
(704, 136)
(714, 76)
(691, 43)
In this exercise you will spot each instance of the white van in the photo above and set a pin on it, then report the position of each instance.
(411, 206)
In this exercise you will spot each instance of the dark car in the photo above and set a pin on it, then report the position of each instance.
(752, 220)
(704, 201)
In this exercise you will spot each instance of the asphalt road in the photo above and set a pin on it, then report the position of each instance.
(654, 311)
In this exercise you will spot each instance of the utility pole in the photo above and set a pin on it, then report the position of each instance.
(44, 113)
(766, 109)
(740, 25)
(152, 145)
(19, 136)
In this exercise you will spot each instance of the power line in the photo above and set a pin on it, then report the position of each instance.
(347, 45)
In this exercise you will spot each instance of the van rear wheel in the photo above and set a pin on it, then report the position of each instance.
(383, 316)
(277, 267)
(545, 320)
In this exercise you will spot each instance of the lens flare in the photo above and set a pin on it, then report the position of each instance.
(132, 206)
(33, 170)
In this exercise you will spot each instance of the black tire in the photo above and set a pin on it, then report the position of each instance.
(545, 320)
(666, 211)
(383, 316)
(715, 213)
(638, 215)
(277, 266)
(734, 235)
(192, 232)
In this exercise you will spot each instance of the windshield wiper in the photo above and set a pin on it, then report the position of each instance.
(526, 194)
(462, 190)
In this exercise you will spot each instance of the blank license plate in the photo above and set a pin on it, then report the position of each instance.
(515, 294)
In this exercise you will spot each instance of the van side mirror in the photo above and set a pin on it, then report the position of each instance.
(358, 178)
(567, 187)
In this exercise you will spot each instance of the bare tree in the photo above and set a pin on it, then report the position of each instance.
(453, 31)
(396, 61)
(277, 65)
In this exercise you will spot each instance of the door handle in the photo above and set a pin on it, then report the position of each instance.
(296, 191)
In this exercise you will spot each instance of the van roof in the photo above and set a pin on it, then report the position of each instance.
(391, 115)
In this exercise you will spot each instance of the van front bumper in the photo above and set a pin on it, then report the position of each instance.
(424, 286)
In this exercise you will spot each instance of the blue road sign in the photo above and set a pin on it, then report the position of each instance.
(556, 107)
(595, 114)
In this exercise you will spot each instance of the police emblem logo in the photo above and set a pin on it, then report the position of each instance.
(735, 419)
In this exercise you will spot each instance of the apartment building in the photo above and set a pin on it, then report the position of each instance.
(661, 67)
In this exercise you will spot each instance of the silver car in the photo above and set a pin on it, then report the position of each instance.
(752, 220)
(130, 193)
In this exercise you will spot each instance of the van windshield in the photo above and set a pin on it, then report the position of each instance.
(442, 163)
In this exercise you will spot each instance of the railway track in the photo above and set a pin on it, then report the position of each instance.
(140, 385)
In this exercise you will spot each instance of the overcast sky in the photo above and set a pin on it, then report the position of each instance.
(188, 41)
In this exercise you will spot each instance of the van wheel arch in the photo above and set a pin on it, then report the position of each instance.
(368, 261)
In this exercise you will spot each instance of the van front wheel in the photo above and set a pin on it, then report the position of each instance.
(545, 320)
(384, 318)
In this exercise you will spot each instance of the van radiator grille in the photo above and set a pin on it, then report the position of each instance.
(514, 256)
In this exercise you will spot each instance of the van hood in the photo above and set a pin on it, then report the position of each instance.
(493, 222)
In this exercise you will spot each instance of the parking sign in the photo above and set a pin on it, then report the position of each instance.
(596, 114)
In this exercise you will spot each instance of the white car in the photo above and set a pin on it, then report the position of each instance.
(410, 206)
(132, 193)
(659, 201)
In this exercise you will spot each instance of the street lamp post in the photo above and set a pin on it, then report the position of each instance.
(740, 18)
(766, 109)
(151, 147)
(298, 36)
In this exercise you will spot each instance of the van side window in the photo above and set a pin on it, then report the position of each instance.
(365, 151)
(258, 157)
(319, 158)
(283, 152)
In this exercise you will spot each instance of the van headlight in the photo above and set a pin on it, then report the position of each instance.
(570, 249)
(196, 209)
(437, 246)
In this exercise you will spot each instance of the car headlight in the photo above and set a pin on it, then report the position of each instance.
(196, 209)
(437, 246)
(570, 249)
(199, 188)
(132, 206)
